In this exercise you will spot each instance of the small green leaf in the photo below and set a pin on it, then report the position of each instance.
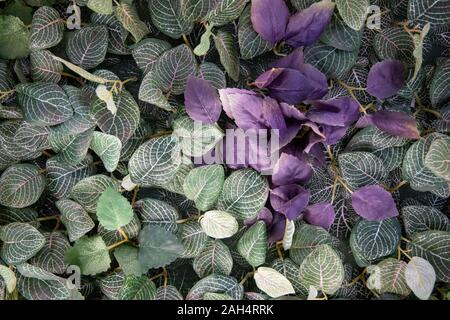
(113, 210)
(253, 244)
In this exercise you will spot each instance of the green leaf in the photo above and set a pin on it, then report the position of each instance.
(51, 256)
(414, 169)
(87, 46)
(361, 168)
(173, 68)
(372, 240)
(420, 277)
(113, 210)
(128, 258)
(14, 37)
(213, 74)
(225, 11)
(168, 293)
(21, 241)
(101, 6)
(194, 10)
(339, 35)
(90, 254)
(111, 284)
(196, 139)
(307, 238)
(44, 68)
(433, 246)
(10, 215)
(137, 288)
(290, 270)
(203, 47)
(193, 239)
(353, 12)
(253, 244)
(244, 194)
(147, 52)
(43, 104)
(388, 276)
(215, 258)
(151, 92)
(158, 213)
(394, 43)
(168, 17)
(418, 49)
(71, 148)
(228, 53)
(19, 9)
(47, 28)
(438, 158)
(418, 218)
(35, 283)
(87, 191)
(334, 63)
(21, 185)
(421, 12)
(61, 177)
(203, 185)
(111, 237)
(9, 277)
(129, 18)
(440, 84)
(272, 282)
(216, 283)
(219, 224)
(158, 247)
(108, 148)
(322, 269)
(124, 122)
(76, 220)
(251, 44)
(155, 162)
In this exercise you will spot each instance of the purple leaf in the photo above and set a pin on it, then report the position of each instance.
(202, 101)
(395, 123)
(340, 112)
(305, 27)
(374, 203)
(289, 200)
(232, 98)
(292, 61)
(320, 214)
(276, 231)
(294, 86)
(269, 19)
(385, 78)
(290, 170)
(333, 134)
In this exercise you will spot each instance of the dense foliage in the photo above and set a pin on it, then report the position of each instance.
(96, 96)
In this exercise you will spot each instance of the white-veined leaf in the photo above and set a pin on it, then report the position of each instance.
(228, 52)
(76, 220)
(272, 282)
(155, 162)
(51, 256)
(420, 277)
(21, 185)
(418, 218)
(87, 46)
(137, 288)
(215, 258)
(203, 185)
(353, 12)
(21, 241)
(388, 276)
(147, 52)
(44, 68)
(130, 20)
(244, 194)
(47, 28)
(168, 17)
(216, 283)
(322, 269)
(108, 148)
(219, 224)
(193, 238)
(253, 244)
(158, 213)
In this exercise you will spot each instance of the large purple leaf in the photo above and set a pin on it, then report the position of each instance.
(385, 78)
(269, 19)
(320, 214)
(202, 101)
(289, 200)
(374, 203)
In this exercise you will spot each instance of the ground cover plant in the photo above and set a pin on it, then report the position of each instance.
(111, 110)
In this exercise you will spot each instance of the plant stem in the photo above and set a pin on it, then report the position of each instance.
(186, 40)
(247, 276)
(55, 217)
(114, 245)
(135, 192)
(122, 233)
(342, 182)
(398, 186)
